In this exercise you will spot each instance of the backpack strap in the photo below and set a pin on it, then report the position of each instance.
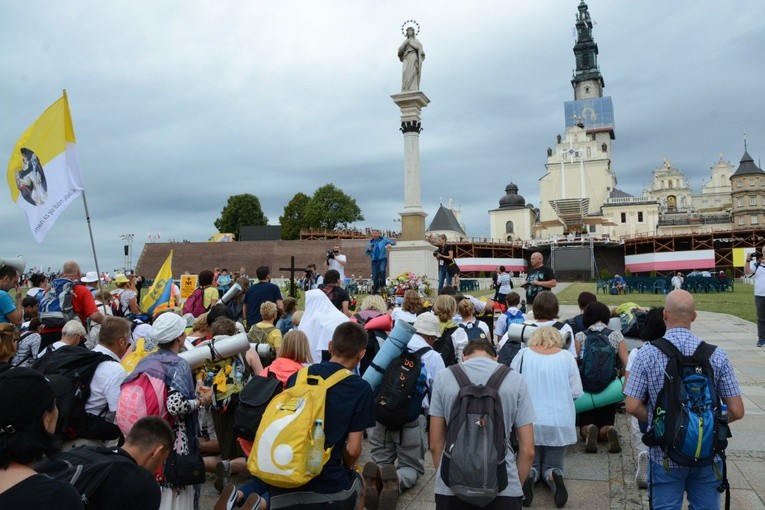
(460, 375)
(558, 325)
(420, 352)
(495, 381)
(303, 376)
(667, 347)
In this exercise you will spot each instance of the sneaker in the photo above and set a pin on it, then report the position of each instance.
(641, 475)
(613, 441)
(761, 342)
(222, 474)
(528, 488)
(252, 502)
(372, 485)
(389, 492)
(560, 494)
(591, 439)
(227, 498)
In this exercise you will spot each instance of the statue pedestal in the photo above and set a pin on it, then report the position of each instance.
(415, 257)
(413, 216)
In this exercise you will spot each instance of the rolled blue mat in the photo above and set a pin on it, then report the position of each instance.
(611, 395)
(391, 349)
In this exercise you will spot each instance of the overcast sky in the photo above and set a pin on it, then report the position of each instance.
(179, 104)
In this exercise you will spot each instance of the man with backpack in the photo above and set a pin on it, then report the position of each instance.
(684, 387)
(348, 412)
(401, 405)
(462, 469)
(66, 299)
(258, 294)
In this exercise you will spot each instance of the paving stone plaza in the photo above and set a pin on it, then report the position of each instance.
(605, 481)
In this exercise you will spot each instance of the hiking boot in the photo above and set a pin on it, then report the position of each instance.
(528, 488)
(389, 492)
(591, 439)
(560, 494)
(222, 475)
(613, 441)
(227, 498)
(372, 485)
(641, 475)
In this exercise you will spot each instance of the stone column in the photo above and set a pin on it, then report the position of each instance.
(412, 217)
(413, 253)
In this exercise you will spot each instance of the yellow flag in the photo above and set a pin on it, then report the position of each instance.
(43, 172)
(160, 296)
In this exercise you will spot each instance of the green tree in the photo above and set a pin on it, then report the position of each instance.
(330, 208)
(240, 211)
(293, 219)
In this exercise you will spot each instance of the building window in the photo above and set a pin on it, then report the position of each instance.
(739, 202)
(640, 216)
(751, 182)
(593, 229)
(753, 219)
(740, 220)
(752, 200)
(624, 217)
(509, 227)
(739, 184)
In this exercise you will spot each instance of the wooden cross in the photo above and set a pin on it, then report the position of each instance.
(292, 269)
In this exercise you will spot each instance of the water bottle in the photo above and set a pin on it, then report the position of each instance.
(724, 413)
(315, 459)
(723, 429)
(238, 372)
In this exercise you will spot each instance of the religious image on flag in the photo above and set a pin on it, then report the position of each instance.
(162, 295)
(43, 172)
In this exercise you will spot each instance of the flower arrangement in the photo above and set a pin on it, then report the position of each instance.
(406, 281)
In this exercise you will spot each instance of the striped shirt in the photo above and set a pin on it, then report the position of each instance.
(647, 376)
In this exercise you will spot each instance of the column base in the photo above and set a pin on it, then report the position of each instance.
(413, 225)
(415, 257)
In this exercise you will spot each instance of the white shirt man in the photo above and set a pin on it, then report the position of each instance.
(338, 264)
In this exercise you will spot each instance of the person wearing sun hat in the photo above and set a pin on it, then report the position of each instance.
(91, 281)
(127, 295)
(26, 434)
(168, 332)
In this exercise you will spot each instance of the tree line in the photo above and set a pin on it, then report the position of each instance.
(328, 208)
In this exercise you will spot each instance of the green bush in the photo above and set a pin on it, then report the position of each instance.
(605, 274)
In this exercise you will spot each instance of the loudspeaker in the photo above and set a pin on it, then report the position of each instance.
(19, 263)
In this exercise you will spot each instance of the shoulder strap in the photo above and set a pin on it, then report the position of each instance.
(558, 325)
(667, 348)
(495, 381)
(704, 352)
(337, 377)
(422, 351)
(460, 375)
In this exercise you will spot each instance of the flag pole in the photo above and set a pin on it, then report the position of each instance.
(90, 231)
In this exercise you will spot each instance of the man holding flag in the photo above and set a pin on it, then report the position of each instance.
(162, 294)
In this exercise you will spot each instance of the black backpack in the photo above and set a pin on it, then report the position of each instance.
(403, 387)
(474, 332)
(253, 399)
(445, 346)
(473, 463)
(508, 351)
(85, 467)
(77, 365)
(375, 338)
(598, 364)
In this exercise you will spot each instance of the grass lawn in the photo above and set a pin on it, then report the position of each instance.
(740, 302)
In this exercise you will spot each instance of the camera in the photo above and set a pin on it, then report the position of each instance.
(330, 254)
(435, 253)
(755, 255)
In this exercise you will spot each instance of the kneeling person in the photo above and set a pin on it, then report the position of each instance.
(407, 442)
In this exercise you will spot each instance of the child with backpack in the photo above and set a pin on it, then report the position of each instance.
(512, 316)
(474, 328)
(453, 338)
(401, 405)
(462, 470)
(265, 333)
(602, 352)
(347, 406)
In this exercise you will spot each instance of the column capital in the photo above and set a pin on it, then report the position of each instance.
(411, 126)
(410, 104)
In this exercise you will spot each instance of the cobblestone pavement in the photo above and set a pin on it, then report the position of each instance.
(605, 481)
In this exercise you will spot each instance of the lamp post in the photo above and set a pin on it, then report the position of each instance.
(128, 240)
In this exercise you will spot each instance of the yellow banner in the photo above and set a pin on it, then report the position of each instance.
(739, 256)
(188, 285)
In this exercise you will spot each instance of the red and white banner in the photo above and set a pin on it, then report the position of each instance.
(490, 264)
(670, 261)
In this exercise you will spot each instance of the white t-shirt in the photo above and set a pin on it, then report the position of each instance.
(337, 266)
(759, 278)
(505, 283)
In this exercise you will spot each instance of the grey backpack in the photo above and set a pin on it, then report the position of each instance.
(473, 465)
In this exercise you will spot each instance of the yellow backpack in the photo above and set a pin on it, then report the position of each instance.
(131, 360)
(279, 453)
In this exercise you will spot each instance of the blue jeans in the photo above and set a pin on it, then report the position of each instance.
(667, 487)
(443, 274)
(378, 274)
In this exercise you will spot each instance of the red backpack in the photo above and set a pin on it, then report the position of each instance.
(195, 304)
(143, 396)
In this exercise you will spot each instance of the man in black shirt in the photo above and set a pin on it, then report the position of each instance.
(539, 278)
(331, 287)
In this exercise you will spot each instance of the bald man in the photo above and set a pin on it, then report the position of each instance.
(539, 278)
(82, 302)
(647, 379)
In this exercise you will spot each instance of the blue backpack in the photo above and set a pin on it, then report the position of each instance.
(474, 332)
(598, 366)
(514, 317)
(687, 422)
(56, 305)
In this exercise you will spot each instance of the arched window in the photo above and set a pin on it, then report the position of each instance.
(509, 227)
